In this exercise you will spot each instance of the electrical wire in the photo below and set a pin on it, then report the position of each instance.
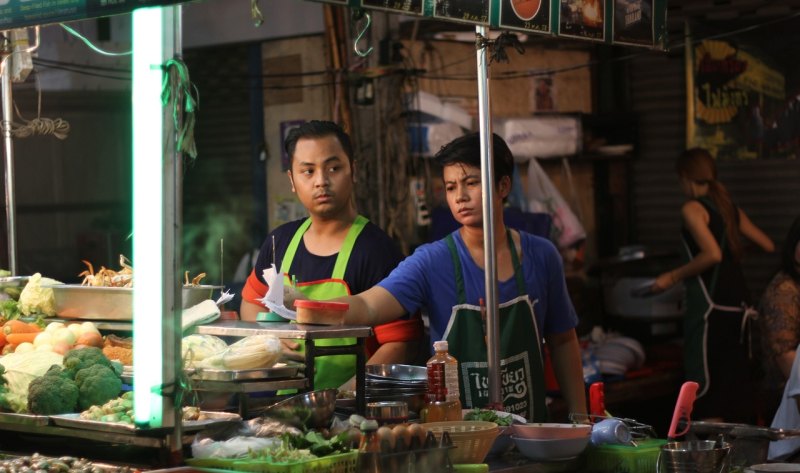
(58, 127)
(92, 46)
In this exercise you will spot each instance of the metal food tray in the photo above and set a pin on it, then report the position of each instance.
(73, 301)
(75, 421)
(276, 372)
(24, 419)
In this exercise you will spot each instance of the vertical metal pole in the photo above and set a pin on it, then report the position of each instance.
(8, 152)
(377, 116)
(487, 185)
(173, 191)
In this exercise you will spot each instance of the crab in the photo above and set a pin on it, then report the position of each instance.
(108, 277)
(195, 281)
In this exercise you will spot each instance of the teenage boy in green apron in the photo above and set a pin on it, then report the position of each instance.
(333, 252)
(446, 278)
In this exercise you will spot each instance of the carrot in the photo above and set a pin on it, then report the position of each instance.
(18, 326)
(35, 327)
(2, 339)
(17, 338)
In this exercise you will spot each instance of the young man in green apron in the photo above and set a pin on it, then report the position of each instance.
(333, 252)
(446, 278)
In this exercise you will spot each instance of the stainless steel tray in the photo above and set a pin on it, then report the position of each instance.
(24, 419)
(75, 421)
(73, 301)
(276, 372)
(397, 372)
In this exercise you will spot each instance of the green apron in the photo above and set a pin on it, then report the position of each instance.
(702, 322)
(521, 366)
(334, 370)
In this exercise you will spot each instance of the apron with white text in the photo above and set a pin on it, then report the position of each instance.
(329, 371)
(521, 366)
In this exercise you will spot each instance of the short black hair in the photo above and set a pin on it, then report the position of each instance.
(318, 129)
(467, 150)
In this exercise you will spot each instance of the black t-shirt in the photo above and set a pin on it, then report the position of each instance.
(373, 257)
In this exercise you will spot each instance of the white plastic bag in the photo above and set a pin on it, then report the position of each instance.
(544, 197)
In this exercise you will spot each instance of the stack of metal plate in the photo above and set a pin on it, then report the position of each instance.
(393, 382)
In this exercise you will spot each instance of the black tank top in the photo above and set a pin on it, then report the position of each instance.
(730, 288)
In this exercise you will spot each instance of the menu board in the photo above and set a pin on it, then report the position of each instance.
(634, 22)
(469, 11)
(629, 22)
(527, 15)
(19, 13)
(582, 19)
(408, 7)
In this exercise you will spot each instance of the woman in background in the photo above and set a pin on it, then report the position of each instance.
(779, 320)
(717, 304)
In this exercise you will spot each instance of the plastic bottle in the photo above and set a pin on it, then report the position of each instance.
(369, 450)
(443, 403)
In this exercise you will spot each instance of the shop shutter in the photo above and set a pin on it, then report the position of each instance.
(768, 190)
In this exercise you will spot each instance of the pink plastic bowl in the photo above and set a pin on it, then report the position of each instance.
(550, 431)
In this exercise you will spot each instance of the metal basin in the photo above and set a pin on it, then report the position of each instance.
(313, 410)
(73, 301)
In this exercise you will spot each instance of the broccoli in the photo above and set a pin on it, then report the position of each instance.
(97, 385)
(80, 358)
(53, 393)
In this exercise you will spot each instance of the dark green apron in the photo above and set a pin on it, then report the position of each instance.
(714, 346)
(334, 370)
(521, 367)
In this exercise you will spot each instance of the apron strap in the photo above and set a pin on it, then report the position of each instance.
(461, 292)
(347, 247)
(517, 266)
(288, 257)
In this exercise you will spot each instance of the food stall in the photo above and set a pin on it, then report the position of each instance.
(160, 274)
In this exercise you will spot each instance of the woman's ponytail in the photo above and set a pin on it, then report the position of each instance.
(730, 215)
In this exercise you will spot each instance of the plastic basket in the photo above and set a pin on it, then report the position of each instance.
(342, 463)
(623, 458)
(472, 439)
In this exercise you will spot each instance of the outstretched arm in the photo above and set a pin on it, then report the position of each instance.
(696, 219)
(754, 234)
(374, 306)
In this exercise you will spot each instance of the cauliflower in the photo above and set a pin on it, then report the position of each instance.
(36, 299)
(97, 385)
(53, 393)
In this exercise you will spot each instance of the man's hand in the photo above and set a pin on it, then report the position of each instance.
(290, 352)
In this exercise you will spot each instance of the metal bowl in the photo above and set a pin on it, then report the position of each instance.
(388, 411)
(313, 410)
(398, 372)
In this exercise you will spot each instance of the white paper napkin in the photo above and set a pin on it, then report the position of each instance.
(274, 298)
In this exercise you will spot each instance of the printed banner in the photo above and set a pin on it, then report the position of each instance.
(738, 108)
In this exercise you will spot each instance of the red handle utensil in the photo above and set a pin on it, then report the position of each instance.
(597, 401)
(683, 409)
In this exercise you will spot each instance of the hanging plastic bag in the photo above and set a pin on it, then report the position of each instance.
(544, 197)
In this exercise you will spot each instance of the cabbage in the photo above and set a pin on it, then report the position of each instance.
(36, 299)
(21, 369)
(199, 347)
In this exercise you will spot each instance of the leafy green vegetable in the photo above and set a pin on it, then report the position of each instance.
(9, 309)
(487, 415)
(318, 445)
